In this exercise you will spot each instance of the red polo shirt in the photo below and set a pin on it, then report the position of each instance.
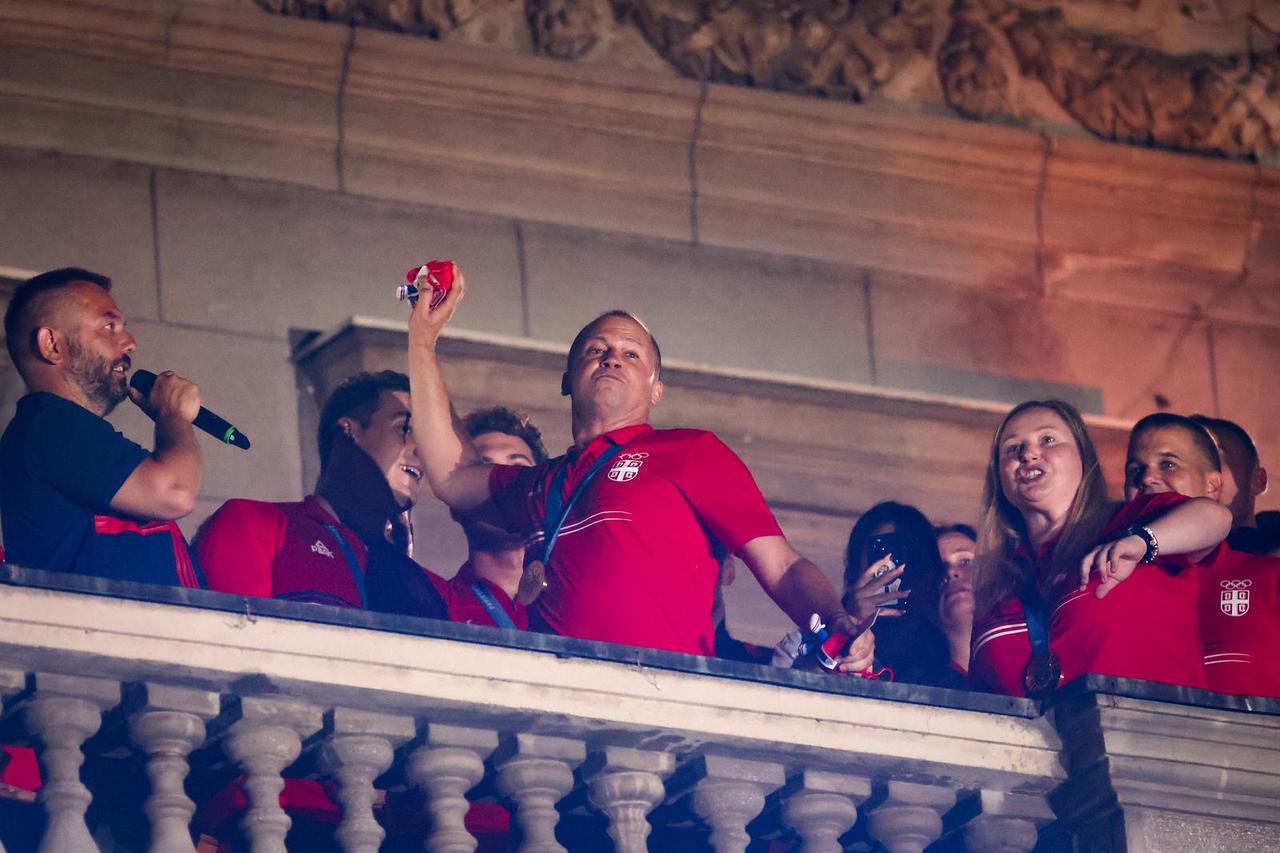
(638, 557)
(280, 550)
(1240, 622)
(459, 594)
(1145, 628)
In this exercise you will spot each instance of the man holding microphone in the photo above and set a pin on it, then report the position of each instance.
(75, 494)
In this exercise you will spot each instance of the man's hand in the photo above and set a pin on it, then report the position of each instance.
(1113, 561)
(426, 323)
(171, 397)
(868, 598)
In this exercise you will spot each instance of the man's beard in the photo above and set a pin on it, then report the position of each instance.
(104, 388)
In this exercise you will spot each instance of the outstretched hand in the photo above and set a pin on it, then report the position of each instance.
(426, 323)
(860, 656)
(1113, 562)
(868, 599)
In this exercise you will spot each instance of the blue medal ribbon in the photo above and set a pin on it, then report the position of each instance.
(357, 573)
(491, 605)
(558, 508)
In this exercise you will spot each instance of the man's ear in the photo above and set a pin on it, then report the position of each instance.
(1259, 484)
(345, 425)
(1213, 486)
(51, 345)
(566, 387)
(655, 396)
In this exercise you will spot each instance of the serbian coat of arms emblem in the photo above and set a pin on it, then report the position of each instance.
(1234, 599)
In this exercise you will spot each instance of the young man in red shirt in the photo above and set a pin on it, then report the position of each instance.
(347, 544)
(1239, 600)
(487, 588)
(642, 511)
(1244, 480)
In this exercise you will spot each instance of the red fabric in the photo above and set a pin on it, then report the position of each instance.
(465, 606)
(20, 768)
(279, 550)
(1146, 627)
(114, 525)
(299, 797)
(638, 560)
(1240, 622)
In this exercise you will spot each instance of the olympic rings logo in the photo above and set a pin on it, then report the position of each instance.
(1236, 584)
(633, 455)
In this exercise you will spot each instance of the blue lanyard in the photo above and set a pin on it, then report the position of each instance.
(558, 508)
(357, 574)
(1037, 623)
(492, 606)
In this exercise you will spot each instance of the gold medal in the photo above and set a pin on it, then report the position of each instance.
(1042, 674)
(532, 582)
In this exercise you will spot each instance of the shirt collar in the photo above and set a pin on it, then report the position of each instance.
(620, 436)
(314, 508)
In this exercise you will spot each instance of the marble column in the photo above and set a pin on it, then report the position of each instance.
(446, 766)
(62, 712)
(910, 818)
(359, 747)
(265, 738)
(823, 806)
(626, 784)
(730, 794)
(167, 723)
(537, 772)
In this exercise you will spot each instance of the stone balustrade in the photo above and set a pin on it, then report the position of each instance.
(585, 742)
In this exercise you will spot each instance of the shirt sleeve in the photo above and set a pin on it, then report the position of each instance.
(513, 489)
(237, 546)
(724, 494)
(1145, 509)
(80, 454)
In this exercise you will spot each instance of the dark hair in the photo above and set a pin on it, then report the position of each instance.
(29, 290)
(1220, 426)
(356, 398)
(504, 420)
(962, 529)
(920, 545)
(1200, 435)
(617, 312)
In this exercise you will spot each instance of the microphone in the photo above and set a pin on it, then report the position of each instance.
(144, 380)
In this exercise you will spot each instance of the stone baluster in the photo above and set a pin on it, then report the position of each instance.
(823, 806)
(62, 712)
(910, 818)
(166, 723)
(626, 784)
(1008, 823)
(265, 738)
(730, 794)
(446, 766)
(358, 748)
(12, 681)
(537, 772)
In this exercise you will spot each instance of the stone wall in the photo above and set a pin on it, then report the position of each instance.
(243, 176)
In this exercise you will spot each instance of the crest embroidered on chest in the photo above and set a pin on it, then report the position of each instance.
(321, 549)
(1234, 599)
(627, 467)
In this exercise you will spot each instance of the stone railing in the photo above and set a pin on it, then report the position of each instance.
(640, 744)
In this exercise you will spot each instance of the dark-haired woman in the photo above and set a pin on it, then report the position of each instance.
(1066, 583)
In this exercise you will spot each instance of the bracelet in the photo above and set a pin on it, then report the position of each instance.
(1145, 534)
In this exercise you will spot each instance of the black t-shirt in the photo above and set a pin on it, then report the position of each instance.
(60, 467)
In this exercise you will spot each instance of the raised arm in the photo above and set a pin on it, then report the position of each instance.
(454, 470)
(1193, 527)
(166, 485)
(801, 589)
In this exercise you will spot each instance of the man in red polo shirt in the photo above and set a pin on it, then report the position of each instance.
(646, 514)
(1239, 600)
(346, 545)
(487, 588)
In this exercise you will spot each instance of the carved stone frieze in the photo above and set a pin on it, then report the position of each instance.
(1227, 105)
(843, 49)
(563, 29)
(431, 18)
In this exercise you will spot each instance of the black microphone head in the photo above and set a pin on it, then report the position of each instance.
(142, 381)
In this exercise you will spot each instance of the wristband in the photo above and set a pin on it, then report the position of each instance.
(1145, 534)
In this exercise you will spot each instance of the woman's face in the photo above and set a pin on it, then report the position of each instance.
(955, 598)
(1040, 468)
